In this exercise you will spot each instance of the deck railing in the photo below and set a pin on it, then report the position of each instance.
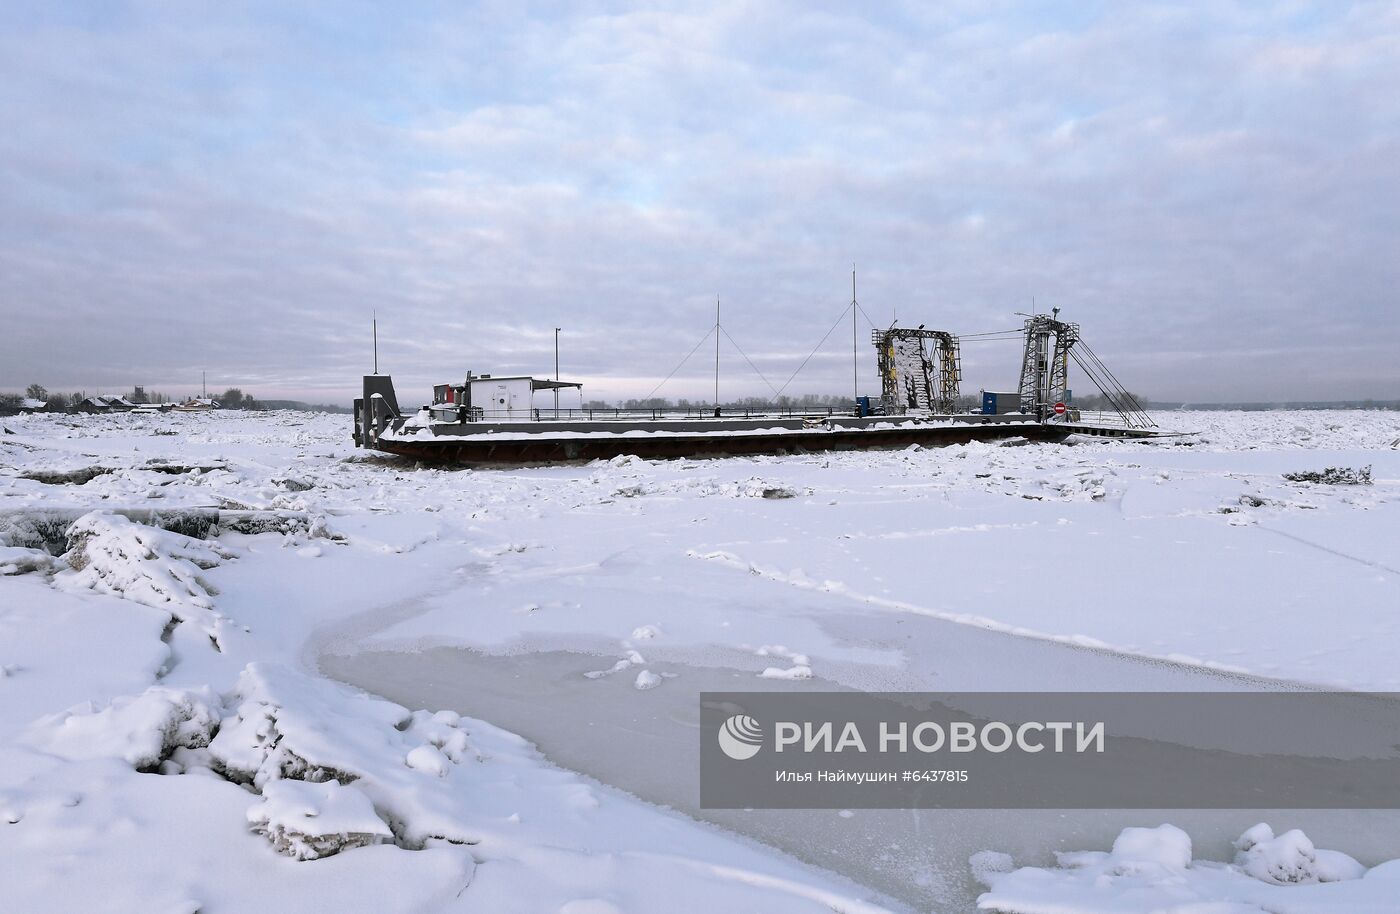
(450, 413)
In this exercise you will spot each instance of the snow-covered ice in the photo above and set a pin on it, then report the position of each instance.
(1152, 871)
(168, 743)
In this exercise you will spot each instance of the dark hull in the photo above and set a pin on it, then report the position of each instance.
(543, 448)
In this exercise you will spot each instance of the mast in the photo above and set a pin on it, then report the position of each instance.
(716, 353)
(855, 384)
(374, 323)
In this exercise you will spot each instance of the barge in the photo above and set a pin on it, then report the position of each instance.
(502, 420)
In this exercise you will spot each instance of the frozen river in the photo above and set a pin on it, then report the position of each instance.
(645, 743)
(1192, 565)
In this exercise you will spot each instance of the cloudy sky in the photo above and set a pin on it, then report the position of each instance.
(1212, 190)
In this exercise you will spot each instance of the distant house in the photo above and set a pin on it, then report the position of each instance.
(198, 405)
(105, 405)
(30, 405)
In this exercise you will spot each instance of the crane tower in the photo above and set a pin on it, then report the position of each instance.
(912, 379)
(1045, 362)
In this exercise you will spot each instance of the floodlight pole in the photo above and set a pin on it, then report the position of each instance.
(556, 372)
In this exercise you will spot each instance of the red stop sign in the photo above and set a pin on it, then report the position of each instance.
(1059, 409)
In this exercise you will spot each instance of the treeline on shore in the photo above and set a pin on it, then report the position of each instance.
(37, 398)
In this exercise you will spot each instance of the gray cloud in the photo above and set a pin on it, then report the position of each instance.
(1209, 189)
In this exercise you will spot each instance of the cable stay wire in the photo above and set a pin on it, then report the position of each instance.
(747, 359)
(868, 319)
(680, 364)
(839, 318)
(1123, 402)
(1131, 408)
(1127, 395)
(1013, 332)
(988, 336)
(777, 392)
(1100, 382)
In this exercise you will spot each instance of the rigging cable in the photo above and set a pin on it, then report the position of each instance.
(867, 318)
(1102, 384)
(1133, 402)
(841, 317)
(1130, 408)
(746, 358)
(679, 365)
(1123, 402)
(965, 336)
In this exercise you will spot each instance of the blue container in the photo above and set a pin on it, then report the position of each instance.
(996, 403)
(862, 406)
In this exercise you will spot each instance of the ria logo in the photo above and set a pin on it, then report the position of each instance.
(741, 737)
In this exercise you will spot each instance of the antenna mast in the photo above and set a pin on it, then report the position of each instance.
(716, 354)
(855, 384)
(374, 323)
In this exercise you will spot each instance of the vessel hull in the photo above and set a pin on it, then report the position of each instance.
(544, 448)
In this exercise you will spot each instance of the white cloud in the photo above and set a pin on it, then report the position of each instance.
(1189, 178)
